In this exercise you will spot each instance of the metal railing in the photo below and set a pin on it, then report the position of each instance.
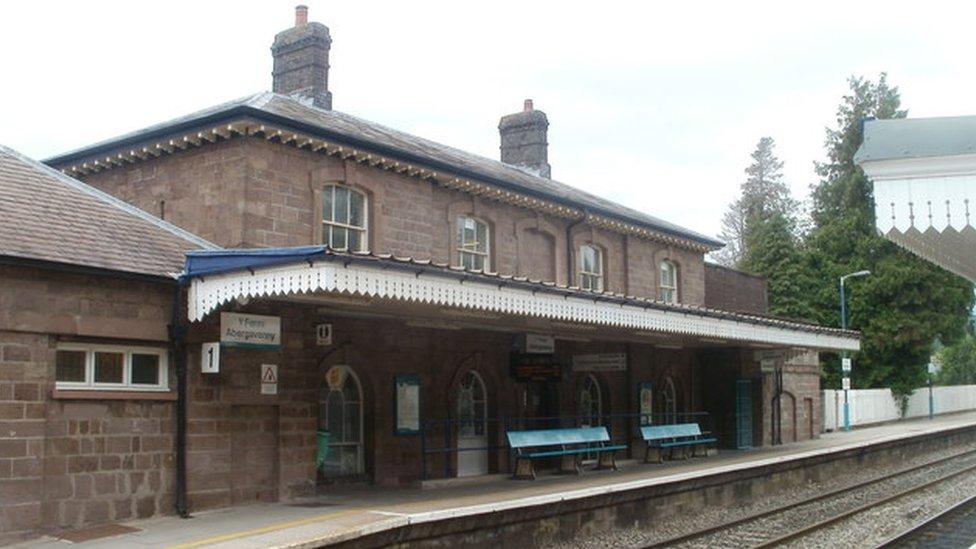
(439, 437)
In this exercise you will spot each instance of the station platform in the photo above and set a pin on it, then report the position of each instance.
(352, 512)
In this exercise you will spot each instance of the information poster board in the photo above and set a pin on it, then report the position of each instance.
(407, 404)
(645, 401)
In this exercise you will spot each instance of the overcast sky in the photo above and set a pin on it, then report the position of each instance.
(656, 105)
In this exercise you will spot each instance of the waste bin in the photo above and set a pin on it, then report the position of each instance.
(322, 447)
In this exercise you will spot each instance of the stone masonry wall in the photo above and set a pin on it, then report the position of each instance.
(250, 192)
(732, 290)
(66, 463)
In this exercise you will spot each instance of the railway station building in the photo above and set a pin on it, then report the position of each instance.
(332, 300)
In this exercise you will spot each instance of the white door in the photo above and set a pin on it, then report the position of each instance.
(472, 439)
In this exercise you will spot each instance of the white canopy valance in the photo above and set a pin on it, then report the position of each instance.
(373, 279)
(928, 206)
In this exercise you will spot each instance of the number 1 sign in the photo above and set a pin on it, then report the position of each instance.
(210, 358)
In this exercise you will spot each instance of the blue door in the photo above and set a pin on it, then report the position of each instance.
(743, 413)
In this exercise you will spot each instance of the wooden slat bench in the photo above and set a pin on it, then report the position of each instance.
(569, 444)
(670, 437)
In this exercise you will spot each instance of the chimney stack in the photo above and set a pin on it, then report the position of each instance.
(301, 61)
(525, 139)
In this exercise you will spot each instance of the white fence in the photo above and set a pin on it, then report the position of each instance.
(878, 405)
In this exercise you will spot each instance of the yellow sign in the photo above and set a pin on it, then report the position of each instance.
(334, 377)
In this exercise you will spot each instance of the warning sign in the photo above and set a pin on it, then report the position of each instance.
(269, 379)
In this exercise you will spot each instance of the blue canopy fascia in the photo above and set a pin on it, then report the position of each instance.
(209, 262)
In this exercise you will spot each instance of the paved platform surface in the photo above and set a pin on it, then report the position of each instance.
(355, 511)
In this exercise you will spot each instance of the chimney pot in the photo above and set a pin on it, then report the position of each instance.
(525, 140)
(301, 61)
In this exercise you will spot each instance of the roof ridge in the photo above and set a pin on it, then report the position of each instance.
(521, 169)
(111, 200)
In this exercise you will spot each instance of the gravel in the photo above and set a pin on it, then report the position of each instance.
(901, 514)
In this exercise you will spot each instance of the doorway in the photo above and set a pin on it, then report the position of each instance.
(743, 413)
(341, 416)
(472, 436)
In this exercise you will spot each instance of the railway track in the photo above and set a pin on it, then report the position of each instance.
(952, 528)
(792, 522)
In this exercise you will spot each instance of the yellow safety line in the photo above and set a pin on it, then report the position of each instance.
(265, 529)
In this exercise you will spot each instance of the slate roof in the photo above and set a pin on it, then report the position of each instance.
(347, 129)
(48, 216)
(917, 138)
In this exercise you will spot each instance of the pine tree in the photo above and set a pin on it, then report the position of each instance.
(762, 195)
(906, 302)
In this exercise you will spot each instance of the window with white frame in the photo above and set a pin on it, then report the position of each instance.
(472, 243)
(669, 282)
(590, 268)
(344, 218)
(80, 366)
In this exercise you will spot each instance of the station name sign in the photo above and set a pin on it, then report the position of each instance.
(253, 331)
(602, 362)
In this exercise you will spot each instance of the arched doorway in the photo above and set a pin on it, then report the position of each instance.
(589, 402)
(341, 415)
(668, 402)
(472, 434)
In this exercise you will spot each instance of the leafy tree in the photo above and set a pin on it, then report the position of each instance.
(772, 251)
(906, 302)
(958, 363)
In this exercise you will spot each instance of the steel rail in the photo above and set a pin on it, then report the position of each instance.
(684, 538)
(924, 525)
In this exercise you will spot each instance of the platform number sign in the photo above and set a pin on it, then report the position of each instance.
(210, 358)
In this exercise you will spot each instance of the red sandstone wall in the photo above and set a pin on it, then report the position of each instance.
(255, 193)
(733, 290)
(68, 463)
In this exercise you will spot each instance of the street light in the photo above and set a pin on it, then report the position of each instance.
(844, 360)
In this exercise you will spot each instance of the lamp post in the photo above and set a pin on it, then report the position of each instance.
(845, 362)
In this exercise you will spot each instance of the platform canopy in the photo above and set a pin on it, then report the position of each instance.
(317, 274)
(924, 174)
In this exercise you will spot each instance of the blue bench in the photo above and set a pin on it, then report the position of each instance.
(661, 438)
(568, 444)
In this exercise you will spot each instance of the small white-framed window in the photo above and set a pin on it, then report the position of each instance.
(590, 268)
(111, 367)
(344, 220)
(669, 282)
(473, 247)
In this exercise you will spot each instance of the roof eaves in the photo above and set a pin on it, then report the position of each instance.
(252, 108)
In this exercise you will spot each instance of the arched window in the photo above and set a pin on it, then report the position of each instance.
(669, 402)
(344, 218)
(341, 414)
(669, 282)
(590, 402)
(590, 268)
(472, 244)
(472, 405)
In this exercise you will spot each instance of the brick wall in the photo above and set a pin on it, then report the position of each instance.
(255, 193)
(67, 463)
(733, 290)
